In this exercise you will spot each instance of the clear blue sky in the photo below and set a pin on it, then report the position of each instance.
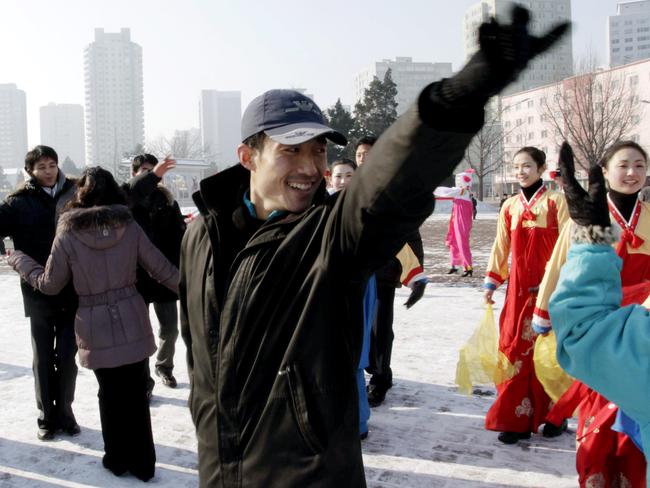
(249, 45)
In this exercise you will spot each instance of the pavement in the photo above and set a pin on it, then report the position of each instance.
(426, 434)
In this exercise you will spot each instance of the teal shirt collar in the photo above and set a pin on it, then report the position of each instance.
(251, 209)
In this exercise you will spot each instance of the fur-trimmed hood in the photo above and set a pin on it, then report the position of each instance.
(97, 227)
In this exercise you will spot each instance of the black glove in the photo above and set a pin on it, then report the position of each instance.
(504, 52)
(586, 208)
(417, 292)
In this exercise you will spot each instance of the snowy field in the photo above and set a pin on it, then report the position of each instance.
(424, 435)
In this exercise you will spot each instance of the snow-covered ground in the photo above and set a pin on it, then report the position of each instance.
(425, 435)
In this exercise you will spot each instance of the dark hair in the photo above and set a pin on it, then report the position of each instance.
(141, 159)
(256, 141)
(38, 153)
(367, 140)
(537, 155)
(96, 186)
(617, 146)
(343, 161)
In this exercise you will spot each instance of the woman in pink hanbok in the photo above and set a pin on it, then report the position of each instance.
(460, 222)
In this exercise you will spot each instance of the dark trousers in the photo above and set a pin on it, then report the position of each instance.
(381, 337)
(167, 314)
(55, 370)
(125, 418)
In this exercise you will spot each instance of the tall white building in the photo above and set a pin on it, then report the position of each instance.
(554, 65)
(409, 76)
(220, 114)
(114, 98)
(13, 126)
(628, 33)
(62, 127)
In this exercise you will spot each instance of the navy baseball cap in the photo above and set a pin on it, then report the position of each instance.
(287, 117)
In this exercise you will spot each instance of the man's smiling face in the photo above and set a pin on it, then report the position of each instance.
(284, 177)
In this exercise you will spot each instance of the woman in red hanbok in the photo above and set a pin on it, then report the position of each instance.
(604, 457)
(529, 224)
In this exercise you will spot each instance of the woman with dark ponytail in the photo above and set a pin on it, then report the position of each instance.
(98, 246)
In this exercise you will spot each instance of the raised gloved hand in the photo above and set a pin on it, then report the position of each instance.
(505, 51)
(586, 208)
(417, 292)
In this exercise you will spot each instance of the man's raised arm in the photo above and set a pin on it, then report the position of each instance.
(392, 193)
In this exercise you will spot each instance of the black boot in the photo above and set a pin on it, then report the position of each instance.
(45, 434)
(376, 394)
(468, 272)
(513, 437)
(552, 430)
(452, 270)
(117, 468)
(167, 377)
(72, 430)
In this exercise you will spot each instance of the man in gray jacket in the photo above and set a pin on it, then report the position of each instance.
(272, 364)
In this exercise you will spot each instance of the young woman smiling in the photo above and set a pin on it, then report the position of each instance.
(528, 226)
(604, 455)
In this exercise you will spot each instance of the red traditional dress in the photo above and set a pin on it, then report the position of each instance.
(604, 457)
(526, 230)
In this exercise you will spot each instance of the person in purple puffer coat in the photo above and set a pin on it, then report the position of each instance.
(98, 246)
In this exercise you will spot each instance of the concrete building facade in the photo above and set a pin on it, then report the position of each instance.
(409, 76)
(62, 127)
(554, 65)
(628, 33)
(114, 98)
(220, 116)
(13, 126)
(526, 122)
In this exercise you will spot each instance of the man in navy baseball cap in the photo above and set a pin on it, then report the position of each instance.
(284, 146)
(274, 271)
(287, 117)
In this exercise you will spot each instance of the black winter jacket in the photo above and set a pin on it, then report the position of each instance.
(272, 362)
(155, 210)
(28, 216)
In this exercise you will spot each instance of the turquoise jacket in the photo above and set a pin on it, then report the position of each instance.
(603, 345)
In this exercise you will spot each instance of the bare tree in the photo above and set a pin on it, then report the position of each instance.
(158, 146)
(184, 144)
(485, 153)
(592, 110)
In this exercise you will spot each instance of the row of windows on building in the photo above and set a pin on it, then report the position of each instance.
(544, 134)
(543, 117)
(640, 47)
(631, 39)
(521, 138)
(641, 21)
(630, 31)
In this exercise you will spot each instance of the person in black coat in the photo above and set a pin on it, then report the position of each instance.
(155, 210)
(272, 363)
(382, 335)
(29, 216)
(388, 279)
